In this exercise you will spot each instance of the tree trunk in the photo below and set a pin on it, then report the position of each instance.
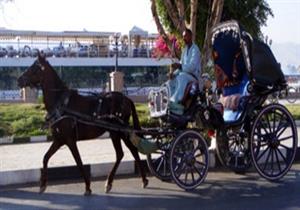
(161, 29)
(181, 13)
(159, 26)
(213, 19)
(193, 18)
(174, 15)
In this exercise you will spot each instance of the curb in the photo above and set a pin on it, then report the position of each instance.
(93, 170)
(63, 173)
(72, 172)
(21, 140)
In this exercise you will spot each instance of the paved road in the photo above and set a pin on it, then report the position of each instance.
(221, 190)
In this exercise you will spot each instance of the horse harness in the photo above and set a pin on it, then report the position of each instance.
(61, 111)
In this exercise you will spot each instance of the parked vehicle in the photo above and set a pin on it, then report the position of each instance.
(48, 52)
(3, 52)
(25, 51)
(34, 52)
(59, 51)
(11, 52)
(83, 51)
(93, 51)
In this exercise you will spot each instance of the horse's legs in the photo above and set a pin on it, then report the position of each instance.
(74, 149)
(136, 156)
(119, 155)
(53, 148)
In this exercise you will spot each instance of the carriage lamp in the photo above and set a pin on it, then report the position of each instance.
(206, 115)
(211, 133)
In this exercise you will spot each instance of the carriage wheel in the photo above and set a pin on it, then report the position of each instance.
(291, 92)
(189, 160)
(158, 163)
(233, 153)
(274, 142)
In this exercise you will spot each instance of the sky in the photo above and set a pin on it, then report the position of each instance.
(285, 25)
(122, 15)
(92, 15)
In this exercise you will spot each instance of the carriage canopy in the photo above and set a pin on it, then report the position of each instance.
(235, 53)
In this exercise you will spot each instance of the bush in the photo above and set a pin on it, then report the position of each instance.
(295, 110)
(24, 120)
(144, 116)
(21, 119)
(5, 129)
(30, 126)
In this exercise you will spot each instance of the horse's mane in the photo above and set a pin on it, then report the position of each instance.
(60, 84)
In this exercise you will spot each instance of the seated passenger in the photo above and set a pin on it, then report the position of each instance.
(181, 74)
(230, 71)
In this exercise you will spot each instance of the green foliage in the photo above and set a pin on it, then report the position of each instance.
(251, 14)
(144, 116)
(21, 119)
(163, 15)
(28, 126)
(24, 120)
(294, 110)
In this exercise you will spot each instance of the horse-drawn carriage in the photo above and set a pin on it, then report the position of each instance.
(253, 133)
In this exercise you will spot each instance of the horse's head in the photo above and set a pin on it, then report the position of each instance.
(34, 75)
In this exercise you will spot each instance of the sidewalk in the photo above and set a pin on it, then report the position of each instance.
(21, 163)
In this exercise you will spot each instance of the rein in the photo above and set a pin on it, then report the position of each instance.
(60, 111)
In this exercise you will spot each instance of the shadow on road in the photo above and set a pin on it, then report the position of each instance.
(229, 192)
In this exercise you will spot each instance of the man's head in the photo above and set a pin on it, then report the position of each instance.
(187, 36)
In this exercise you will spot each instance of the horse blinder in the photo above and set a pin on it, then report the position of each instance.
(31, 76)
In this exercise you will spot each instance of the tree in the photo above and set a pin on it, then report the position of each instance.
(172, 16)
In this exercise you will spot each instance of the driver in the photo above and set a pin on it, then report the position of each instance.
(184, 72)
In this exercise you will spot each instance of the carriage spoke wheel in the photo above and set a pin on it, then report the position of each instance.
(291, 95)
(158, 163)
(274, 142)
(233, 153)
(189, 160)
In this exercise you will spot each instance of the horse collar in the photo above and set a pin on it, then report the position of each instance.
(57, 111)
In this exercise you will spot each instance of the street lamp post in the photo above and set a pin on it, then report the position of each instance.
(116, 77)
(19, 51)
(116, 49)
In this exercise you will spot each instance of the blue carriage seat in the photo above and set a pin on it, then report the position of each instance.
(232, 115)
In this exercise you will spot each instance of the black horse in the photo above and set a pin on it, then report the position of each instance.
(67, 113)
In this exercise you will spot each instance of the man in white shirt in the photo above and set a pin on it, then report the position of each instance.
(189, 69)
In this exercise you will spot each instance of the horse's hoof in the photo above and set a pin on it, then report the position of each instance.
(145, 183)
(88, 192)
(42, 189)
(108, 188)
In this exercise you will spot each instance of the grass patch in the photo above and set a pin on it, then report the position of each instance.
(24, 120)
(144, 116)
(294, 110)
(21, 120)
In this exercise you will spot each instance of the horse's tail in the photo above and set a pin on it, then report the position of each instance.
(135, 118)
